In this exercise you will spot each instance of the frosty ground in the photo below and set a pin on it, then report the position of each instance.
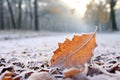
(39, 46)
(46, 42)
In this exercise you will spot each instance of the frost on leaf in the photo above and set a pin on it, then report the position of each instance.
(75, 52)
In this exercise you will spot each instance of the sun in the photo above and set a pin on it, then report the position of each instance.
(78, 5)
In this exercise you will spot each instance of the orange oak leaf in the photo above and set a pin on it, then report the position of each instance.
(75, 52)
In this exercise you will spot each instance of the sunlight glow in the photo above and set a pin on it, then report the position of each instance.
(78, 5)
(23, 6)
(42, 4)
(118, 5)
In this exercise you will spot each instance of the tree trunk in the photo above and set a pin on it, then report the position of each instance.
(19, 14)
(1, 15)
(36, 20)
(112, 15)
(11, 14)
(31, 15)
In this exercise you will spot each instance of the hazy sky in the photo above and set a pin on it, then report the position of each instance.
(78, 5)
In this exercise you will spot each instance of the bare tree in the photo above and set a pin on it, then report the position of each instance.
(36, 20)
(112, 14)
(30, 13)
(20, 14)
(1, 15)
(11, 14)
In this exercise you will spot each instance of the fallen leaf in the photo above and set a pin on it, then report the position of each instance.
(71, 72)
(23, 76)
(10, 69)
(75, 52)
(93, 71)
(8, 76)
(41, 76)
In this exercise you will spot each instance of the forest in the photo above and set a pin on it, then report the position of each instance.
(56, 15)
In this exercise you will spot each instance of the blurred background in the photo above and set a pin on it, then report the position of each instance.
(60, 15)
